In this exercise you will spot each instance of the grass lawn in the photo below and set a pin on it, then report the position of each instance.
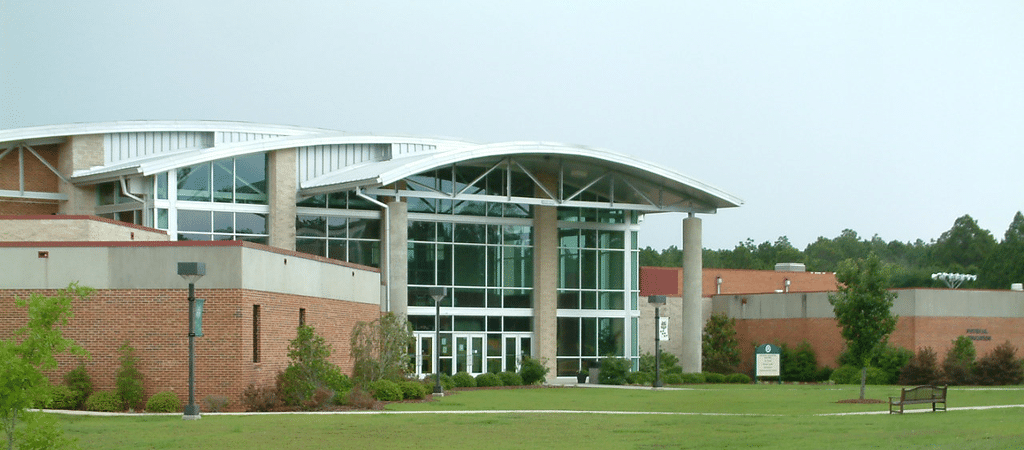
(710, 416)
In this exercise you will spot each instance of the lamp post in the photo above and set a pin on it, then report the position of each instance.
(438, 294)
(657, 301)
(191, 272)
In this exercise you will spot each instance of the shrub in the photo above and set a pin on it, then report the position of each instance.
(447, 383)
(737, 378)
(64, 397)
(310, 380)
(464, 380)
(488, 380)
(712, 377)
(105, 401)
(259, 398)
(386, 390)
(891, 360)
(360, 398)
(79, 380)
(922, 368)
(129, 378)
(532, 371)
(851, 375)
(1000, 366)
(693, 378)
(510, 379)
(721, 352)
(413, 390)
(799, 364)
(215, 403)
(673, 378)
(669, 364)
(613, 370)
(639, 378)
(823, 374)
(958, 367)
(164, 402)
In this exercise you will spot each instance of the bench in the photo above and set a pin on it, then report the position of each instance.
(919, 395)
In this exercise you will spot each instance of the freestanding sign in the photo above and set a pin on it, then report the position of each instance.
(768, 361)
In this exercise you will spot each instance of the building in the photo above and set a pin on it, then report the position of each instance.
(535, 242)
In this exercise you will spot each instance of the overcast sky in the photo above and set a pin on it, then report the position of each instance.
(888, 118)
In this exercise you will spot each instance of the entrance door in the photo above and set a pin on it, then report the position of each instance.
(469, 353)
(425, 354)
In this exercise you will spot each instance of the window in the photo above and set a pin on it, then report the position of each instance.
(255, 333)
(302, 317)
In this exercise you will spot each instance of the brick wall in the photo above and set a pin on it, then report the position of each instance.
(911, 333)
(154, 321)
(27, 208)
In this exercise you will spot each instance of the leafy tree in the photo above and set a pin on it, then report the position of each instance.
(862, 307)
(1000, 366)
(25, 357)
(799, 364)
(129, 378)
(380, 348)
(964, 247)
(720, 348)
(1006, 263)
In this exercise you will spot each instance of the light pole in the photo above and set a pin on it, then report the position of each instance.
(657, 301)
(191, 272)
(438, 294)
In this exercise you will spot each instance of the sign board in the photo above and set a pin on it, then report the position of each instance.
(663, 328)
(197, 317)
(767, 362)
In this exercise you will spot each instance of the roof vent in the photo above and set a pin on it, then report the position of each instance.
(790, 267)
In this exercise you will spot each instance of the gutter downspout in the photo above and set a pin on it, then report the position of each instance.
(386, 256)
(124, 190)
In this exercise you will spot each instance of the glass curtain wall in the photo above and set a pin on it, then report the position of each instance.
(341, 226)
(220, 200)
(482, 252)
(597, 288)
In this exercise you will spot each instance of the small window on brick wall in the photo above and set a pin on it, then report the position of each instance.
(255, 333)
(302, 316)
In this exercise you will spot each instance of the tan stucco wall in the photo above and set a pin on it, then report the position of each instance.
(65, 229)
(79, 153)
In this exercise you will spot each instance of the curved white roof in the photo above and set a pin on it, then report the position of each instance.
(576, 164)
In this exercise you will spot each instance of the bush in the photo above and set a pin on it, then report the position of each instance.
(259, 399)
(712, 377)
(63, 397)
(104, 401)
(958, 367)
(639, 378)
(1000, 366)
(215, 403)
(613, 370)
(163, 402)
(922, 368)
(737, 378)
(673, 378)
(693, 378)
(891, 360)
(851, 375)
(413, 390)
(360, 398)
(532, 371)
(510, 379)
(386, 391)
(669, 363)
(79, 380)
(129, 378)
(799, 364)
(447, 383)
(488, 380)
(823, 374)
(464, 380)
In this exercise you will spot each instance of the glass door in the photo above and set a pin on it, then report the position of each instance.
(517, 347)
(469, 353)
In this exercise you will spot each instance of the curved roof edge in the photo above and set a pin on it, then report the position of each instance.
(126, 126)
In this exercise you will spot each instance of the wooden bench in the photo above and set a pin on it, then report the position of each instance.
(918, 395)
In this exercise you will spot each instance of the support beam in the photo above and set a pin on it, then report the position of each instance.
(692, 320)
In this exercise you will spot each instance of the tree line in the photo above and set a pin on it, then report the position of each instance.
(964, 248)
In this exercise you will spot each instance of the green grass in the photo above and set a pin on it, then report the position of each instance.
(763, 416)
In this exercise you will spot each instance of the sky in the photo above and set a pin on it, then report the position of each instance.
(887, 118)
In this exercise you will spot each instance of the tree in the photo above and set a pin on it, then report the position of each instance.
(958, 367)
(380, 349)
(862, 307)
(22, 383)
(310, 380)
(129, 378)
(1006, 264)
(720, 349)
(963, 247)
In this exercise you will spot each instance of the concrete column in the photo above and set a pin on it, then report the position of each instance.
(692, 312)
(396, 267)
(79, 153)
(545, 285)
(283, 186)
